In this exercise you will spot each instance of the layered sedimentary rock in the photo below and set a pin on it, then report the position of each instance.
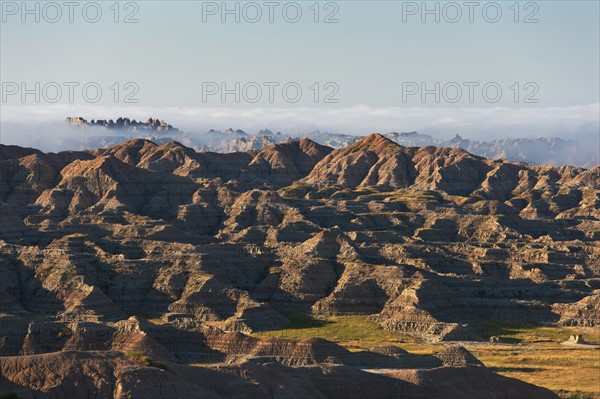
(212, 247)
(107, 374)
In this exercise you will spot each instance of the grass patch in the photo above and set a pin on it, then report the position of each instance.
(537, 357)
(349, 331)
(297, 191)
(525, 332)
(299, 320)
(147, 360)
(575, 395)
(554, 367)
(64, 332)
(527, 351)
(144, 315)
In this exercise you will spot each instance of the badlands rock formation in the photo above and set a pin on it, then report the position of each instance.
(104, 133)
(152, 124)
(211, 247)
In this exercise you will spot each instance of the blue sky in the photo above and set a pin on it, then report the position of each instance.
(370, 56)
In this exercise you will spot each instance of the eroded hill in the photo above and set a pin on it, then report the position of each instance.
(423, 240)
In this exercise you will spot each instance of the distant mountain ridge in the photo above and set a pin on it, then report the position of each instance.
(541, 150)
(152, 124)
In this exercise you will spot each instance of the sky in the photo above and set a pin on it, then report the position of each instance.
(491, 69)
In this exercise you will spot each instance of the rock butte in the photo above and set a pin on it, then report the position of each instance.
(422, 240)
